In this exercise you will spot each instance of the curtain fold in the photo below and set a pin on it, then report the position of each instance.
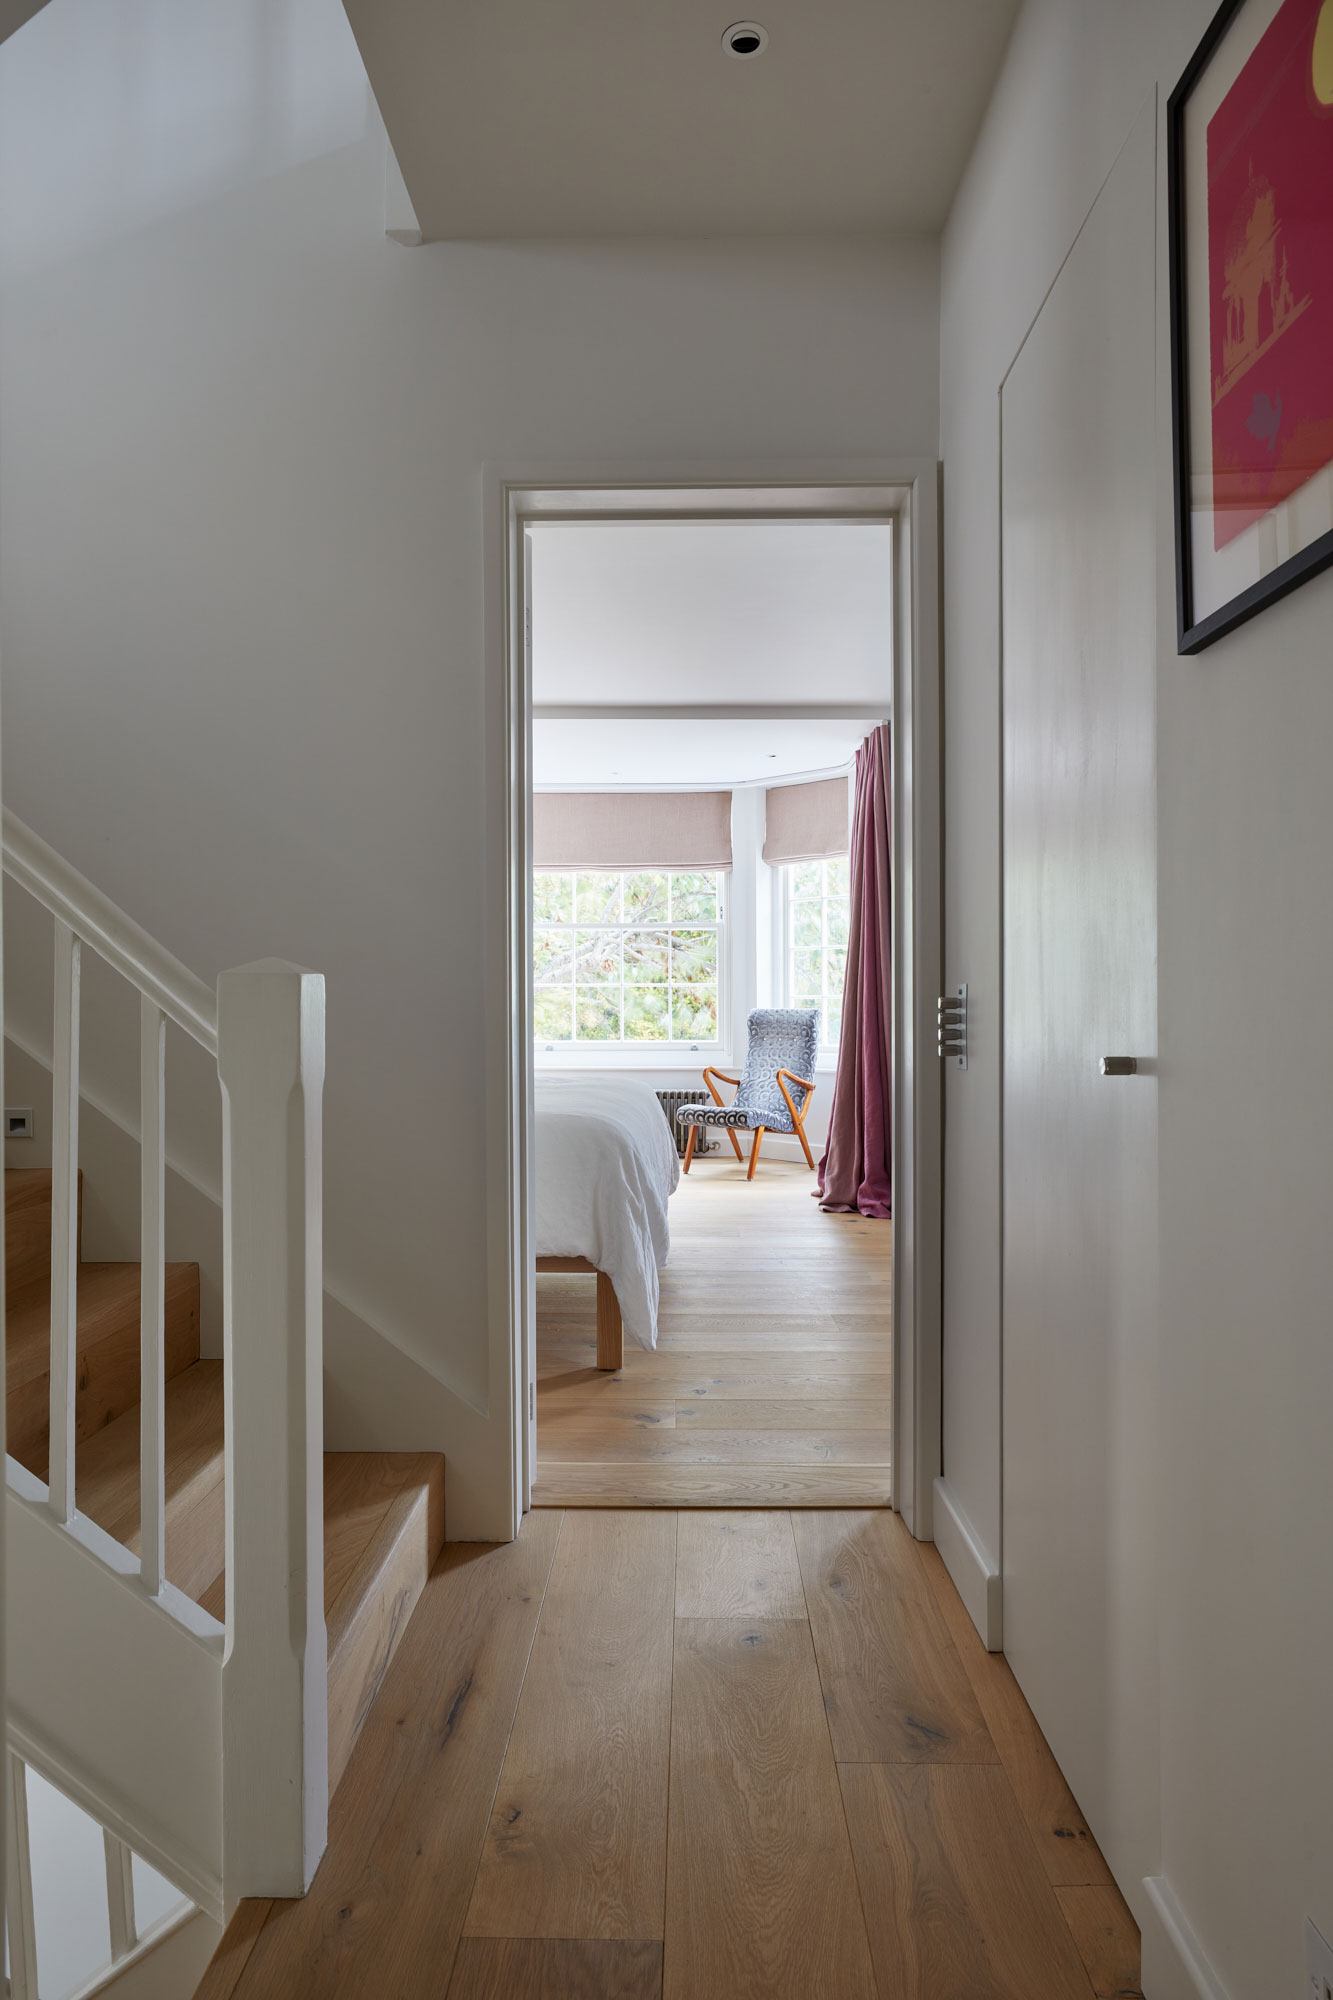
(856, 1172)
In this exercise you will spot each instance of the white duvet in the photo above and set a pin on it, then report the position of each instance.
(606, 1167)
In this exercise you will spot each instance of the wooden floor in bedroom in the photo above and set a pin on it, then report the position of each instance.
(770, 1383)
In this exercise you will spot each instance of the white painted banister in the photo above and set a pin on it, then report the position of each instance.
(74, 901)
(64, 1219)
(152, 1294)
(119, 1895)
(18, 1883)
(274, 1687)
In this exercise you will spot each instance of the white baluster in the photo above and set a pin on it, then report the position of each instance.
(64, 1220)
(18, 1884)
(119, 1895)
(274, 1679)
(152, 1294)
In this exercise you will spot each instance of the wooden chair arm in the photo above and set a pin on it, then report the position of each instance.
(798, 1116)
(710, 1073)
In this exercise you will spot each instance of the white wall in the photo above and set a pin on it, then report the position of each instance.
(1245, 816)
(241, 459)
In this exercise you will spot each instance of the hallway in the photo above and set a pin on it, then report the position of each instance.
(641, 1755)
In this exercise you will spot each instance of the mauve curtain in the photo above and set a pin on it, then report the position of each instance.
(856, 1172)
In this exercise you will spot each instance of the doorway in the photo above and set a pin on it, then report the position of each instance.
(904, 503)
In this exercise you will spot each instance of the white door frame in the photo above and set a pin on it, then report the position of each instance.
(906, 493)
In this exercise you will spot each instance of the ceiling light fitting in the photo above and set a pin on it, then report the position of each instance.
(744, 39)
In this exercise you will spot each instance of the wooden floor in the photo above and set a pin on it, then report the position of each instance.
(769, 1386)
(695, 1756)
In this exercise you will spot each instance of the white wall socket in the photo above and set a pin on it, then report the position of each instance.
(19, 1122)
(1318, 1963)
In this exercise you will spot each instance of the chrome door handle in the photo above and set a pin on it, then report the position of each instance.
(1120, 1065)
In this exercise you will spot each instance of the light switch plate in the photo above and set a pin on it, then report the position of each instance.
(1318, 1962)
(19, 1122)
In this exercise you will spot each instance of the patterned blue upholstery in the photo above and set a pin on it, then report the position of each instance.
(780, 1038)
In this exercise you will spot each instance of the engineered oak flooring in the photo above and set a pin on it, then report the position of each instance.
(706, 1755)
(769, 1385)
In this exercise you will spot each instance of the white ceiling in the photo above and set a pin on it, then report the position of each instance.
(651, 754)
(117, 113)
(524, 118)
(676, 612)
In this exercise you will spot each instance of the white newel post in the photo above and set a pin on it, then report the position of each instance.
(274, 1681)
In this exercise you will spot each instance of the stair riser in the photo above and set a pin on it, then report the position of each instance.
(107, 1382)
(28, 1226)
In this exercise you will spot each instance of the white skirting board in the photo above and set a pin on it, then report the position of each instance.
(971, 1565)
(1175, 1964)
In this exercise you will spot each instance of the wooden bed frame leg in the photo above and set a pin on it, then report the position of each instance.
(690, 1145)
(610, 1329)
(754, 1151)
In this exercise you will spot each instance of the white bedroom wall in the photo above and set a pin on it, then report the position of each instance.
(241, 457)
(1245, 817)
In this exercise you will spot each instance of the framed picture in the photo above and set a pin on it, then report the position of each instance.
(1250, 190)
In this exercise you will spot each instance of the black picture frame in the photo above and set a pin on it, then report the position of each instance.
(1193, 634)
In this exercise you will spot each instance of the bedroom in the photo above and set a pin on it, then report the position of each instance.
(709, 1331)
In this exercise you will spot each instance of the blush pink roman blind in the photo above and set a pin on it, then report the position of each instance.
(631, 830)
(806, 822)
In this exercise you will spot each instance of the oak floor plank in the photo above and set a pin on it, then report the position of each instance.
(762, 1899)
(237, 1942)
(557, 1969)
(737, 1565)
(1106, 1938)
(894, 1685)
(784, 1413)
(1069, 1853)
(592, 1444)
(636, 1485)
(955, 1899)
(386, 1908)
(576, 1846)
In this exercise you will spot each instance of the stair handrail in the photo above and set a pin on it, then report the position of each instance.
(75, 901)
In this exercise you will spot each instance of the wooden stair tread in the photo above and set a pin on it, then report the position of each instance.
(28, 1224)
(107, 1477)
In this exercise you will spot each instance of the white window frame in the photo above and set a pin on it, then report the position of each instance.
(826, 1057)
(655, 1055)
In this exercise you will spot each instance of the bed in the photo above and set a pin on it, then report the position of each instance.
(606, 1168)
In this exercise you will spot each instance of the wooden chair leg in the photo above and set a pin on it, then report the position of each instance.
(754, 1151)
(735, 1142)
(610, 1328)
(690, 1144)
(805, 1143)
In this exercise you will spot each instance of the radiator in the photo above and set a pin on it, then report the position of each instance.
(671, 1101)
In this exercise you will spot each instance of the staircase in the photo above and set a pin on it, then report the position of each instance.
(383, 1511)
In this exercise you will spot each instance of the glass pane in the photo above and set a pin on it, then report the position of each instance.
(646, 1015)
(598, 898)
(598, 958)
(597, 1014)
(836, 962)
(694, 1014)
(694, 955)
(838, 877)
(646, 899)
(838, 917)
(805, 925)
(805, 972)
(552, 898)
(805, 879)
(833, 1027)
(553, 1014)
(694, 899)
(552, 957)
(646, 954)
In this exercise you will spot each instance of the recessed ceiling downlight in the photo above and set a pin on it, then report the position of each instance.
(744, 39)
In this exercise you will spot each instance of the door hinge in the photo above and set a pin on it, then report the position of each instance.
(952, 1020)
